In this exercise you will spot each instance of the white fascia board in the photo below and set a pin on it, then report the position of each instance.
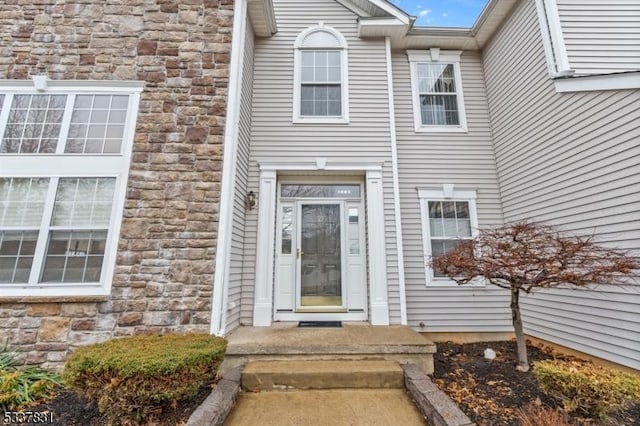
(393, 11)
(622, 81)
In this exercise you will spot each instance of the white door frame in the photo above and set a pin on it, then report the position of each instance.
(264, 276)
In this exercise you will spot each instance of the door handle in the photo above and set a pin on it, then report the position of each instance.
(299, 253)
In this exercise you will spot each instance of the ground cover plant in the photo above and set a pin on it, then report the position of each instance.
(20, 388)
(133, 379)
(493, 393)
(526, 256)
(586, 389)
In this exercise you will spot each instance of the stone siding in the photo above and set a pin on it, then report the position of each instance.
(164, 272)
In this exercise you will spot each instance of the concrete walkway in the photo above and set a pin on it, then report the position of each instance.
(352, 407)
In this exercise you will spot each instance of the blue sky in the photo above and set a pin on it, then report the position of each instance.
(442, 13)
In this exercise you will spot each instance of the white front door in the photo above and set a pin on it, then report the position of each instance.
(320, 256)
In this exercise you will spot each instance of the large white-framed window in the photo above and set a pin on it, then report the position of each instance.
(448, 216)
(436, 87)
(321, 86)
(65, 149)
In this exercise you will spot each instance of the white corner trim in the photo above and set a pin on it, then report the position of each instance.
(378, 289)
(263, 297)
(620, 81)
(553, 38)
(444, 56)
(396, 186)
(223, 247)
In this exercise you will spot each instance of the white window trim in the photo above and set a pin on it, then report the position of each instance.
(56, 166)
(436, 56)
(344, 84)
(445, 193)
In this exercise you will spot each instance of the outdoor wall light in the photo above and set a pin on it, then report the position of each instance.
(250, 201)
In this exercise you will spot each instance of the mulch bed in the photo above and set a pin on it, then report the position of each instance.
(490, 392)
(72, 410)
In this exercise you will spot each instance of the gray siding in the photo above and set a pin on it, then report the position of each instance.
(572, 160)
(431, 159)
(601, 36)
(240, 191)
(275, 138)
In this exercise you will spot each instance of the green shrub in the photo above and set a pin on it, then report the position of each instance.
(133, 377)
(586, 389)
(20, 388)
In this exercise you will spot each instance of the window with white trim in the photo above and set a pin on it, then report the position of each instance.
(436, 85)
(448, 217)
(64, 160)
(320, 83)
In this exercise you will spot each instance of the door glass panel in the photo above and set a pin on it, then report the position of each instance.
(320, 191)
(354, 231)
(287, 225)
(320, 258)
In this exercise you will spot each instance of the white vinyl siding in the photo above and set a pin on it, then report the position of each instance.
(275, 139)
(240, 191)
(64, 160)
(601, 36)
(431, 160)
(570, 159)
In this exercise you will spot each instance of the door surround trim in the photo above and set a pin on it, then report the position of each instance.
(265, 254)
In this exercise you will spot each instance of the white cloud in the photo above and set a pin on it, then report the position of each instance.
(444, 15)
(424, 12)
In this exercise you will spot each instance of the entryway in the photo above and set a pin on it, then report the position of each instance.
(320, 251)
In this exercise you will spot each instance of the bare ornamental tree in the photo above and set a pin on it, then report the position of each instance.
(526, 256)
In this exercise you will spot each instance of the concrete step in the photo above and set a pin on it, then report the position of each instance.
(336, 374)
(353, 341)
(353, 407)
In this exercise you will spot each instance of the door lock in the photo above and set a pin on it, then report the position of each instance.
(299, 253)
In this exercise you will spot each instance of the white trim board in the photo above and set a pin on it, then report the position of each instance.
(223, 249)
(622, 81)
(396, 185)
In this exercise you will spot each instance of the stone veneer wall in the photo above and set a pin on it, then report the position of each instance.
(164, 273)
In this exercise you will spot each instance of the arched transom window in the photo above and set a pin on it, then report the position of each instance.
(321, 89)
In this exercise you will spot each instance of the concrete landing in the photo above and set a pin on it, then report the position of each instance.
(353, 341)
(279, 375)
(353, 407)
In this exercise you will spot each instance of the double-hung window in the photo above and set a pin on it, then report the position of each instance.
(436, 85)
(448, 217)
(64, 158)
(321, 87)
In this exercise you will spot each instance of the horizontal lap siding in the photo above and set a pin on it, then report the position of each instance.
(601, 36)
(365, 140)
(466, 160)
(572, 160)
(238, 231)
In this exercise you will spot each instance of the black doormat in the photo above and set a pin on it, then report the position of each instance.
(328, 324)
